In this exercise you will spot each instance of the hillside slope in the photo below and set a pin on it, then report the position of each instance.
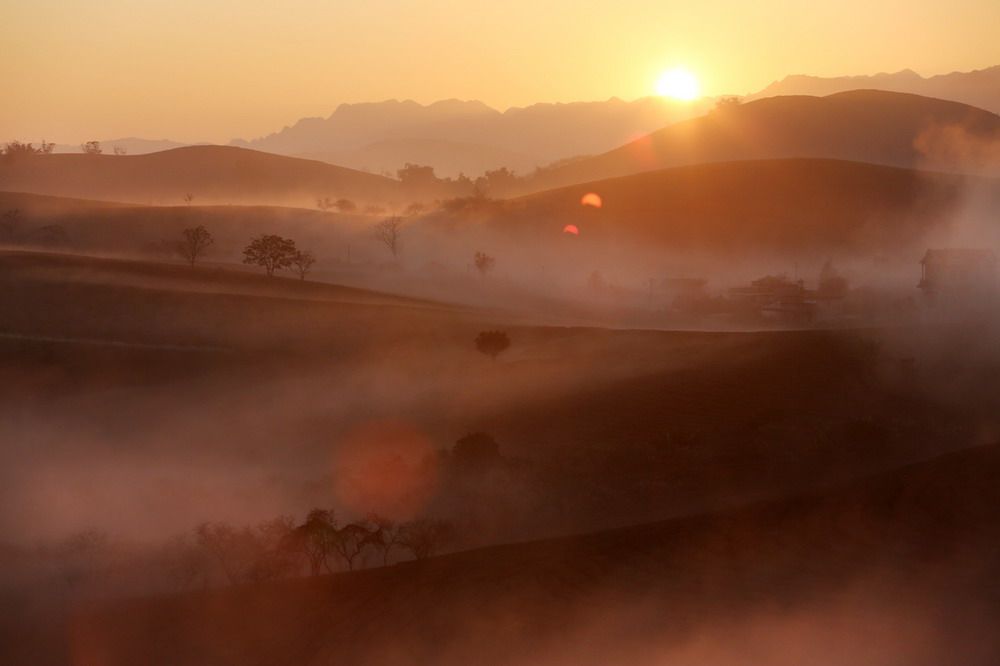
(780, 583)
(211, 174)
(862, 125)
(804, 205)
(980, 88)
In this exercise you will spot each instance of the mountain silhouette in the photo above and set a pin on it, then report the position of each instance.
(879, 127)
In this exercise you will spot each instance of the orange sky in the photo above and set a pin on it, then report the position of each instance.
(216, 69)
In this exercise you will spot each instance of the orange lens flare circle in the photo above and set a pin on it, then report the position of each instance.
(385, 467)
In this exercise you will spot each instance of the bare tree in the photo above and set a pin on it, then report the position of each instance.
(324, 203)
(383, 535)
(120, 150)
(387, 232)
(492, 343)
(349, 542)
(424, 537)
(188, 198)
(91, 148)
(484, 263)
(194, 244)
(314, 538)
(270, 251)
(303, 262)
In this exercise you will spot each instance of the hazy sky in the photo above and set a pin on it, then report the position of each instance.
(217, 69)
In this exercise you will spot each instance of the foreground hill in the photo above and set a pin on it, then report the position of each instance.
(862, 125)
(782, 582)
(809, 206)
(980, 88)
(211, 174)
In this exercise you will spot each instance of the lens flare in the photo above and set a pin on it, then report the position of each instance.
(571, 229)
(591, 199)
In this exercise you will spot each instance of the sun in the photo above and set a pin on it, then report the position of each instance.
(678, 83)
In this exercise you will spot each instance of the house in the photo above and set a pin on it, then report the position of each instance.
(958, 271)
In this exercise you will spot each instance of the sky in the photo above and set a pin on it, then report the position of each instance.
(213, 70)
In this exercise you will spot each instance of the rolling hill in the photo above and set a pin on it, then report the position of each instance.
(211, 174)
(817, 206)
(781, 582)
(887, 128)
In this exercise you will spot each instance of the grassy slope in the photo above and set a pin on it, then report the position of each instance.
(928, 528)
(861, 125)
(213, 174)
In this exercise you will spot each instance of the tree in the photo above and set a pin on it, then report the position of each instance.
(424, 537)
(194, 244)
(15, 149)
(349, 542)
(477, 450)
(415, 208)
(492, 343)
(484, 263)
(270, 251)
(345, 205)
(188, 198)
(383, 535)
(91, 148)
(324, 203)
(303, 262)
(387, 232)
(120, 150)
(314, 538)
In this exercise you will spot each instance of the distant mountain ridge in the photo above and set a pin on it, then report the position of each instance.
(532, 136)
(979, 88)
(878, 127)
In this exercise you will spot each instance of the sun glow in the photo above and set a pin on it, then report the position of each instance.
(678, 83)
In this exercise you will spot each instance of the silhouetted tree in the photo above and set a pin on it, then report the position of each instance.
(484, 263)
(345, 205)
(727, 103)
(477, 450)
(16, 149)
(492, 343)
(303, 262)
(120, 150)
(315, 538)
(324, 203)
(188, 198)
(270, 251)
(194, 244)
(387, 232)
(349, 542)
(91, 148)
(383, 535)
(425, 537)
(497, 183)
(415, 208)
